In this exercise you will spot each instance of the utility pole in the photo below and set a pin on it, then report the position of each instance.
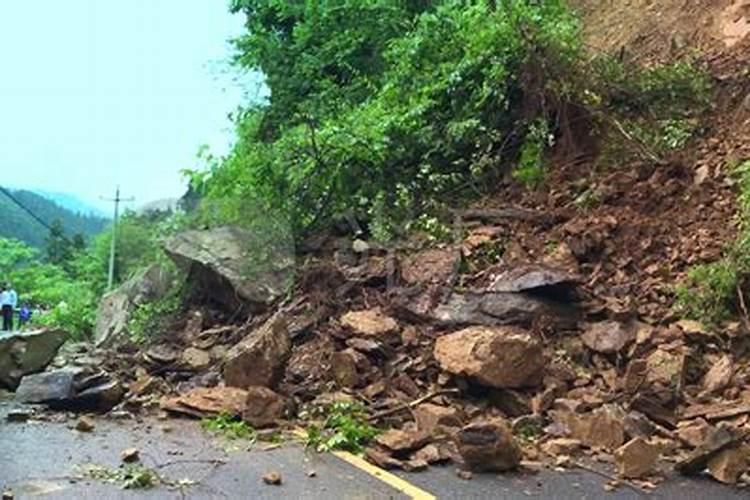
(113, 247)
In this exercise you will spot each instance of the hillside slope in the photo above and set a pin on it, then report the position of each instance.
(17, 223)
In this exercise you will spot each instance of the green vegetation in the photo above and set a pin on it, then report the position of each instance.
(229, 427)
(712, 292)
(128, 477)
(388, 111)
(66, 280)
(345, 427)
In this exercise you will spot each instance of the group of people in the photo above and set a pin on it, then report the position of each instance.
(9, 307)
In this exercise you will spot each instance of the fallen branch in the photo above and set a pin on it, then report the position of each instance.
(215, 462)
(413, 404)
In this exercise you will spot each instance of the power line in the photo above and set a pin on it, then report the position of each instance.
(25, 209)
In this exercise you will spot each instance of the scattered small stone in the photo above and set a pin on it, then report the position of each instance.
(611, 486)
(561, 446)
(312, 473)
(719, 376)
(130, 455)
(85, 424)
(166, 428)
(18, 415)
(466, 475)
(272, 478)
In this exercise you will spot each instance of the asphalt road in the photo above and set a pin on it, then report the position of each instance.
(46, 460)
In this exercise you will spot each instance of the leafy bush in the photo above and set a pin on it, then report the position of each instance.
(229, 427)
(150, 318)
(711, 291)
(345, 428)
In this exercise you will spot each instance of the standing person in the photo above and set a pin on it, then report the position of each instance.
(6, 308)
(13, 299)
(24, 315)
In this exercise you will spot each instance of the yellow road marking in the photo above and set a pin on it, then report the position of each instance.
(391, 480)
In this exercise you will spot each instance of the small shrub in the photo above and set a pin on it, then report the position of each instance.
(345, 428)
(229, 427)
(149, 318)
(708, 293)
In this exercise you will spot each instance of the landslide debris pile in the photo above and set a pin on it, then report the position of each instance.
(544, 334)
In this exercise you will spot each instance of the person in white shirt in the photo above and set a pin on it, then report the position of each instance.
(8, 298)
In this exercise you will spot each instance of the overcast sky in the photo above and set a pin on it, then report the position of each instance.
(95, 93)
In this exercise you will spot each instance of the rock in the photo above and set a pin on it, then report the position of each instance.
(432, 418)
(532, 277)
(718, 439)
(71, 389)
(224, 262)
(273, 478)
(502, 357)
(382, 459)
(666, 368)
(162, 355)
(371, 323)
(561, 446)
(433, 266)
(263, 407)
(130, 455)
(488, 446)
(344, 369)
(85, 424)
(401, 442)
(493, 309)
(608, 337)
(101, 397)
(24, 353)
(719, 376)
(602, 429)
(18, 415)
(466, 475)
(636, 459)
(430, 454)
(46, 387)
(196, 359)
(693, 432)
(8, 495)
(207, 402)
(260, 358)
(116, 308)
(727, 465)
(701, 175)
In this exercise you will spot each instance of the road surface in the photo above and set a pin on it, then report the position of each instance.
(40, 459)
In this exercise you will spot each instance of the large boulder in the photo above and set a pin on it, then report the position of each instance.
(78, 389)
(117, 307)
(233, 266)
(22, 353)
(260, 358)
(502, 357)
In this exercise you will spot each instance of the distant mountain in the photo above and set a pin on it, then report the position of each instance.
(17, 223)
(72, 203)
